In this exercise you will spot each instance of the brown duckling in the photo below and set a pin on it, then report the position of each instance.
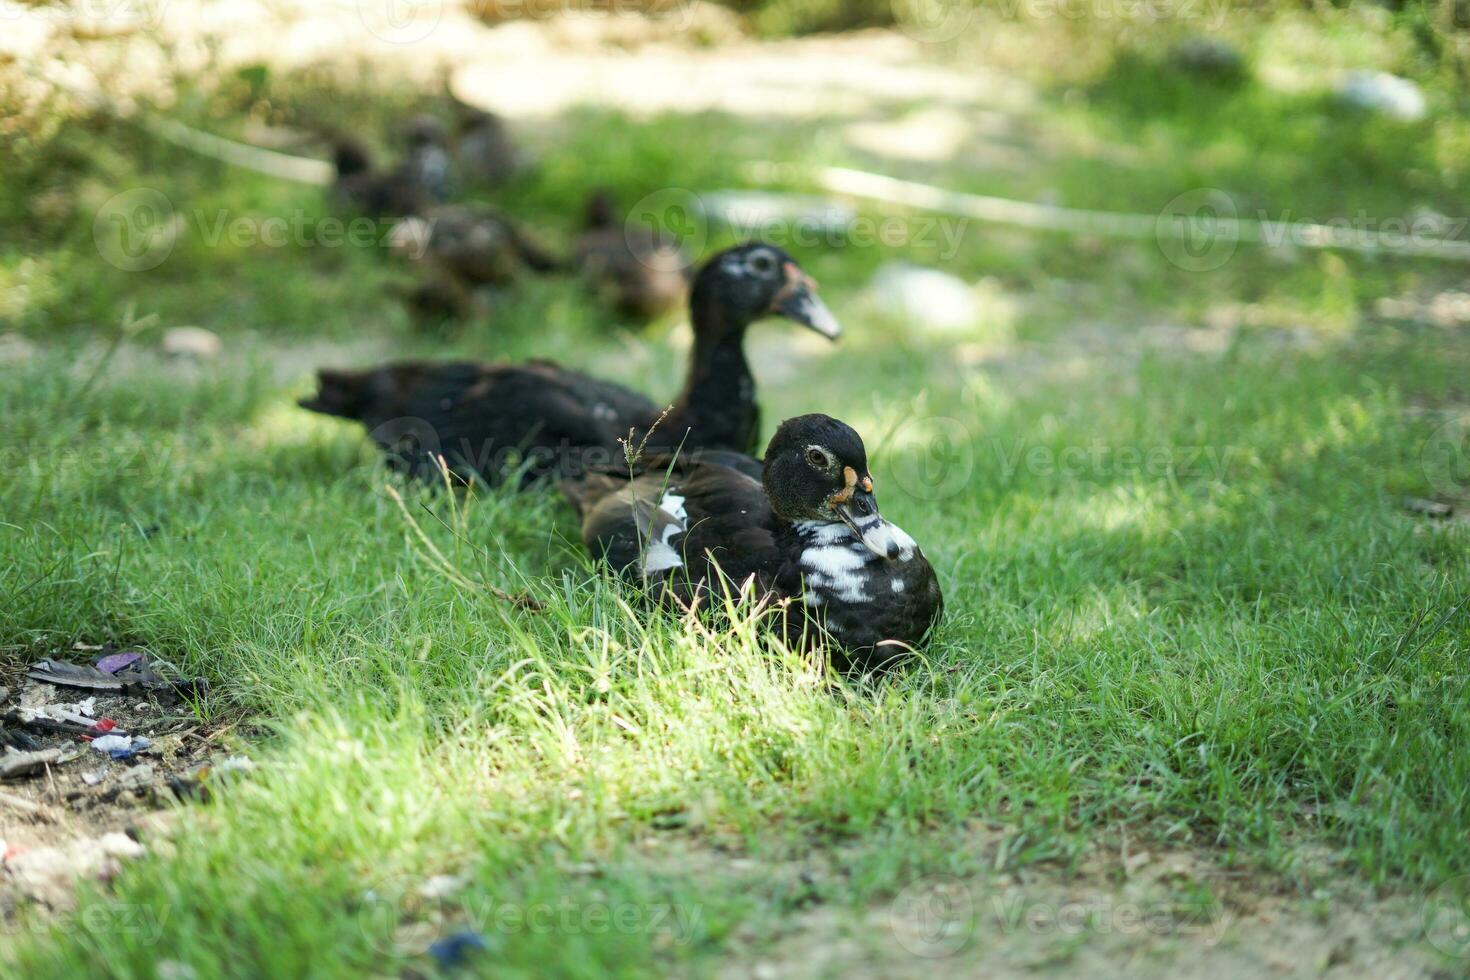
(641, 272)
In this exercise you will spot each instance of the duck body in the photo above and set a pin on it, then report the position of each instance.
(485, 419)
(461, 249)
(484, 149)
(426, 160)
(360, 189)
(480, 415)
(641, 272)
(687, 529)
(858, 596)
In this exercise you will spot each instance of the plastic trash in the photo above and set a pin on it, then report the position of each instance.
(120, 746)
(454, 949)
(114, 662)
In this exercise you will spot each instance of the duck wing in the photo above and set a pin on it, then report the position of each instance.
(682, 529)
(485, 418)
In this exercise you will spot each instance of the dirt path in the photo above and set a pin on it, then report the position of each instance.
(1122, 913)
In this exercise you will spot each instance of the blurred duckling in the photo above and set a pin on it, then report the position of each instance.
(484, 150)
(426, 159)
(359, 188)
(642, 272)
(462, 248)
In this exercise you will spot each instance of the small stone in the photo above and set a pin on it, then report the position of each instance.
(924, 297)
(17, 764)
(15, 349)
(1389, 95)
(193, 342)
(1428, 508)
(1208, 57)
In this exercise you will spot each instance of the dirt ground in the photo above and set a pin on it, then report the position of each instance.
(1123, 911)
(80, 812)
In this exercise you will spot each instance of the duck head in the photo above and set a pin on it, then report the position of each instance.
(748, 282)
(424, 130)
(816, 469)
(350, 157)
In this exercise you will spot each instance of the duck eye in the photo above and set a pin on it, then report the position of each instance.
(763, 262)
(817, 458)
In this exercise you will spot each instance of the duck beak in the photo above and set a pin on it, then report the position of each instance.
(797, 301)
(861, 514)
(856, 507)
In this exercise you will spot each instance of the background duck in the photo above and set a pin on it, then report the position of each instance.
(809, 530)
(642, 272)
(484, 417)
(359, 188)
(484, 150)
(426, 159)
(461, 248)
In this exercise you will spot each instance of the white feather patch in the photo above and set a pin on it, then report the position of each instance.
(661, 556)
(885, 534)
(836, 569)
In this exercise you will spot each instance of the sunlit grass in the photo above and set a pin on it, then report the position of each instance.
(1182, 597)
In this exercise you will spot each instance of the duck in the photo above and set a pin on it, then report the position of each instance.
(360, 188)
(426, 158)
(642, 272)
(461, 248)
(484, 150)
(805, 532)
(538, 420)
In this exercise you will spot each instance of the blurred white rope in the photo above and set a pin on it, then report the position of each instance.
(1115, 224)
(995, 210)
(301, 169)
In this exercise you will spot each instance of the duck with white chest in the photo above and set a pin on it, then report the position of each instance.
(809, 531)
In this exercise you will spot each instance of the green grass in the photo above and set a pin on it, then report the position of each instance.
(1183, 598)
